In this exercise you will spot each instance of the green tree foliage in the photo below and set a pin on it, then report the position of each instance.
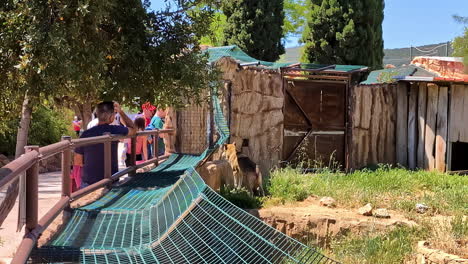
(84, 51)
(102, 50)
(344, 32)
(215, 35)
(295, 13)
(460, 44)
(48, 124)
(255, 26)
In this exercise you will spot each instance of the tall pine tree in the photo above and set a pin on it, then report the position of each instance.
(256, 26)
(344, 32)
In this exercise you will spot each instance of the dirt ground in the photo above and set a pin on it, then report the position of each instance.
(308, 220)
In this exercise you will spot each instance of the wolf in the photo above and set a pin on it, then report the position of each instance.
(246, 172)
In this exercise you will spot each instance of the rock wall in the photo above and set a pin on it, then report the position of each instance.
(254, 97)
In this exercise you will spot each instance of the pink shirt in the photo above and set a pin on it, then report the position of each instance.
(139, 146)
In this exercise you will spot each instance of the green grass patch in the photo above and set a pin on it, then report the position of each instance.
(240, 197)
(393, 188)
(395, 246)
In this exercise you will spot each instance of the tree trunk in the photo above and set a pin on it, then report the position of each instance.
(21, 140)
(87, 115)
(83, 111)
(23, 130)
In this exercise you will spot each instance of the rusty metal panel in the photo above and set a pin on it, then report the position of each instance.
(314, 124)
(292, 139)
(293, 116)
(329, 149)
(307, 97)
(333, 107)
(323, 103)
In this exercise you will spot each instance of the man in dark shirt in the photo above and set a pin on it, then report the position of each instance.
(91, 157)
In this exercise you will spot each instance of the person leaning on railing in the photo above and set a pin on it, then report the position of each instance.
(157, 122)
(92, 157)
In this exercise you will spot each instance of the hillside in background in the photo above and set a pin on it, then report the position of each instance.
(401, 56)
(396, 57)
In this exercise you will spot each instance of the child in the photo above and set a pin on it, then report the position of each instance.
(141, 143)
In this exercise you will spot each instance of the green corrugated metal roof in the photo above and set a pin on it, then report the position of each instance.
(388, 75)
(239, 55)
(337, 67)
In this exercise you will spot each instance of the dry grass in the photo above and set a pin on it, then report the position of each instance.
(449, 234)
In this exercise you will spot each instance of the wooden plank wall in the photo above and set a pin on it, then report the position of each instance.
(421, 132)
(373, 124)
(442, 129)
(439, 117)
(431, 115)
(402, 124)
(459, 113)
(412, 126)
(417, 121)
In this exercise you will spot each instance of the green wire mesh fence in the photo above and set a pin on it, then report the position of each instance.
(169, 215)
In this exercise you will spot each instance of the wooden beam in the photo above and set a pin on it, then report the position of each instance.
(456, 112)
(66, 164)
(32, 193)
(441, 137)
(402, 124)
(464, 123)
(412, 128)
(431, 115)
(422, 103)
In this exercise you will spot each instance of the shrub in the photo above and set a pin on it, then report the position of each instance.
(47, 127)
(240, 197)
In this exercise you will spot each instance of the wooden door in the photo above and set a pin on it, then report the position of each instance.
(314, 122)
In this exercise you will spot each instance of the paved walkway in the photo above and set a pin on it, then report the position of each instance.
(50, 190)
(50, 186)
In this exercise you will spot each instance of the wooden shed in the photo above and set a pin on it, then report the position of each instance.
(285, 112)
(417, 122)
(281, 113)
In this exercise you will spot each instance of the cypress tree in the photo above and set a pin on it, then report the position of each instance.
(344, 32)
(256, 26)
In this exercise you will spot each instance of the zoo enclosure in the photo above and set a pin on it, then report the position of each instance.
(28, 164)
(316, 113)
(414, 122)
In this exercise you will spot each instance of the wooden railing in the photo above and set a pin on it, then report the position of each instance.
(29, 164)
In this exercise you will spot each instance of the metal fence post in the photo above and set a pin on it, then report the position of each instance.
(32, 193)
(133, 155)
(107, 158)
(212, 124)
(156, 148)
(66, 158)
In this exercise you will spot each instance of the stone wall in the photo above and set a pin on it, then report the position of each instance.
(255, 98)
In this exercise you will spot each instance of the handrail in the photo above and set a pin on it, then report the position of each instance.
(28, 163)
(12, 170)
(9, 172)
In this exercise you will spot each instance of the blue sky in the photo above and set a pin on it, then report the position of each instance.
(411, 22)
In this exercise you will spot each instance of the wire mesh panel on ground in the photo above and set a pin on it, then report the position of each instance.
(169, 215)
